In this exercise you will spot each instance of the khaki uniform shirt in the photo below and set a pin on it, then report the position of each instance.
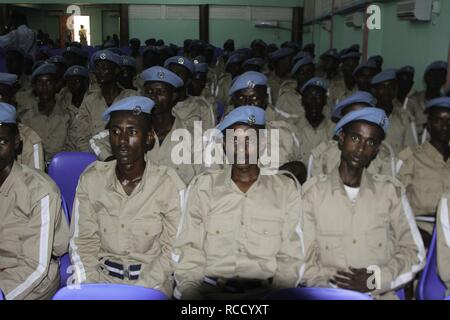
(223, 86)
(327, 156)
(415, 104)
(196, 109)
(33, 229)
(401, 133)
(52, 129)
(32, 150)
(310, 137)
(426, 177)
(443, 241)
(274, 82)
(377, 230)
(160, 154)
(25, 99)
(89, 121)
(111, 231)
(226, 233)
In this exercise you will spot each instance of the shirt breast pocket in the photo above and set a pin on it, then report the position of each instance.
(331, 252)
(377, 243)
(264, 237)
(108, 231)
(219, 236)
(145, 233)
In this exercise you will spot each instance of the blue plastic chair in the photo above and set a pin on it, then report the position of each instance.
(106, 291)
(2, 297)
(316, 294)
(65, 169)
(64, 261)
(431, 286)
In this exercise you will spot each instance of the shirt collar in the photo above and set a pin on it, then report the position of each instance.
(338, 185)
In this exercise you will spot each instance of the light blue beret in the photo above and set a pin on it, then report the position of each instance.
(76, 71)
(386, 75)
(136, 104)
(107, 55)
(182, 61)
(437, 65)
(407, 69)
(78, 51)
(374, 115)
(281, 53)
(7, 113)
(58, 59)
(351, 55)
(300, 56)
(235, 58)
(247, 80)
(306, 60)
(317, 82)
(331, 53)
(254, 62)
(442, 102)
(8, 78)
(160, 74)
(370, 64)
(128, 61)
(250, 115)
(357, 97)
(45, 68)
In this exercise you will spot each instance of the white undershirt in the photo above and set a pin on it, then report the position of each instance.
(352, 193)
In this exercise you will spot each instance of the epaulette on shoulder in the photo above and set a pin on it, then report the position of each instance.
(322, 147)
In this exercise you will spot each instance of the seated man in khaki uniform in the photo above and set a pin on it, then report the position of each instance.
(126, 211)
(161, 86)
(289, 100)
(233, 68)
(200, 86)
(425, 169)
(443, 240)
(127, 78)
(359, 229)
(250, 88)
(89, 121)
(48, 117)
(435, 77)
(189, 105)
(329, 70)
(402, 133)
(350, 61)
(364, 74)
(315, 127)
(31, 152)
(240, 235)
(34, 231)
(327, 156)
(281, 62)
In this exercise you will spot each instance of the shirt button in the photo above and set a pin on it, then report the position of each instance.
(380, 245)
(326, 247)
(242, 223)
(123, 226)
(354, 241)
(146, 233)
(104, 229)
(239, 250)
(266, 232)
(217, 232)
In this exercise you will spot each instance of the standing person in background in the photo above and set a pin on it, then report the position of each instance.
(83, 36)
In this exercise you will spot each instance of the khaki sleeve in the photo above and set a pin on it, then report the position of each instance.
(170, 221)
(290, 258)
(36, 248)
(188, 253)
(408, 257)
(70, 143)
(411, 138)
(101, 145)
(82, 127)
(315, 275)
(405, 167)
(443, 242)
(85, 239)
(34, 156)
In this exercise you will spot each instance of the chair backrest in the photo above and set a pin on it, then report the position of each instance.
(431, 286)
(106, 291)
(2, 297)
(316, 294)
(65, 169)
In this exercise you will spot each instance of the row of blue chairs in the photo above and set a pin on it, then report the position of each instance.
(66, 168)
